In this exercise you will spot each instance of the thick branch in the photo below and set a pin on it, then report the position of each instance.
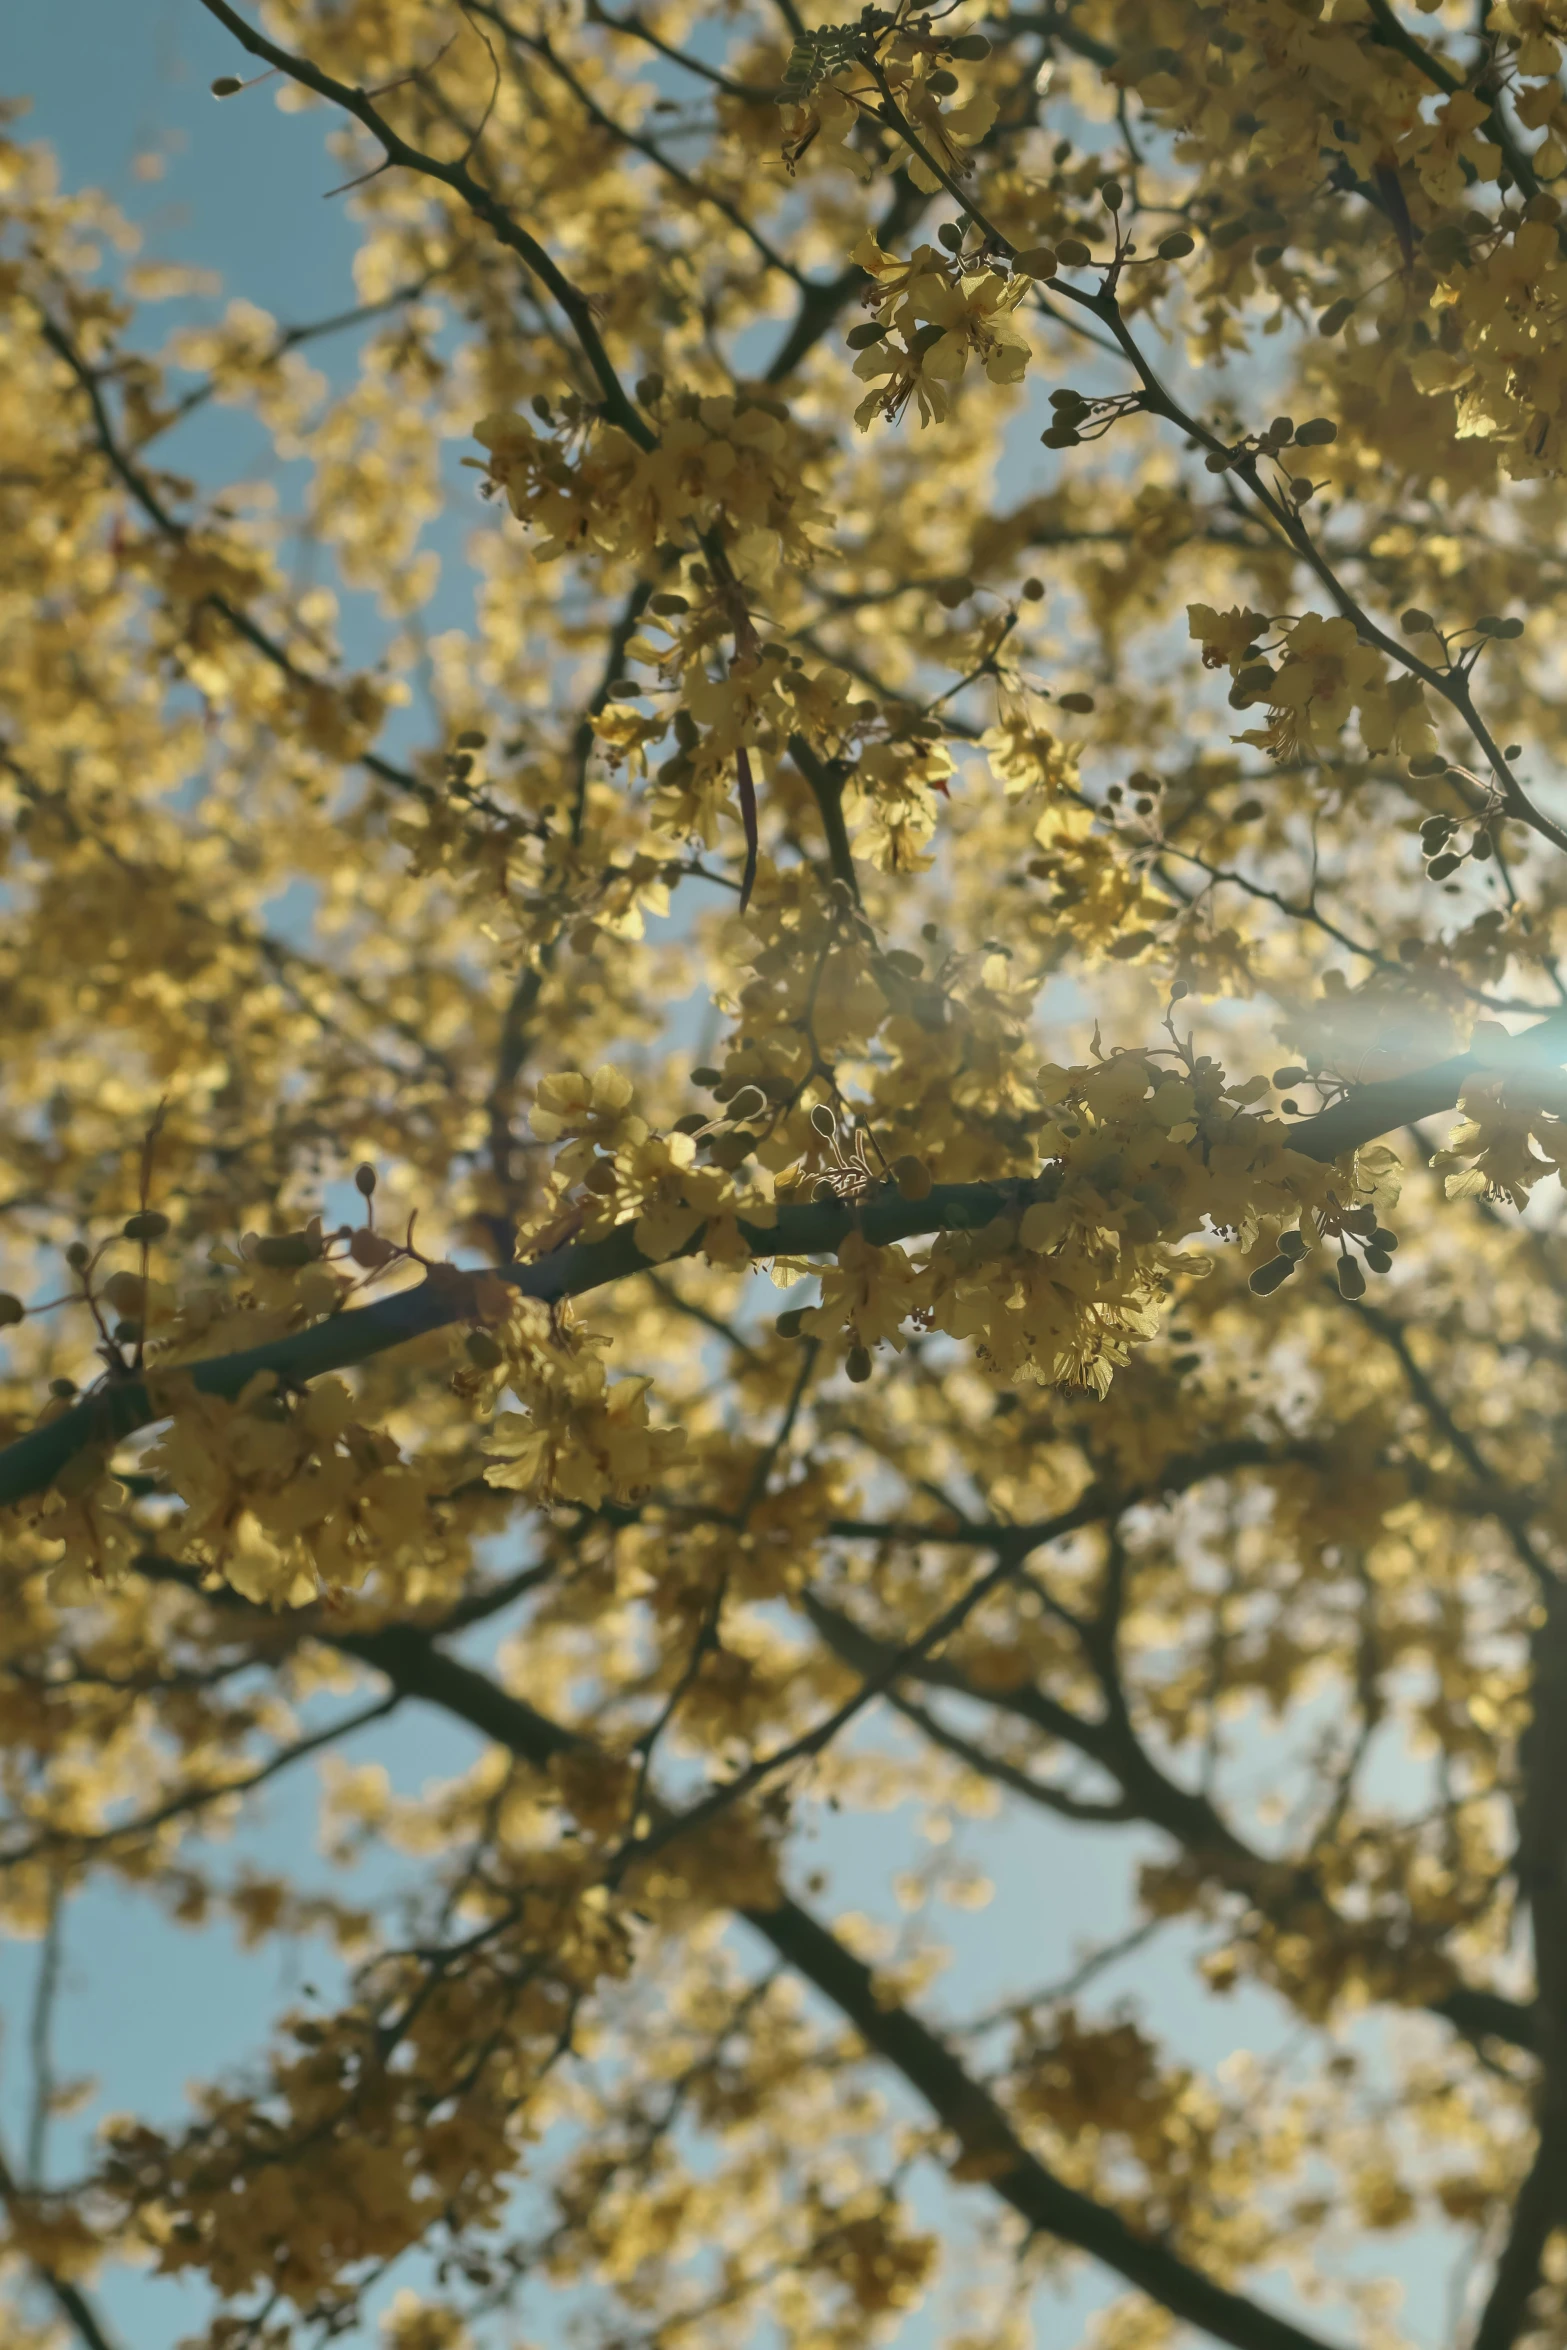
(127, 1403)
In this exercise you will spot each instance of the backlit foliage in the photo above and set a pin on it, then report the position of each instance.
(892, 1126)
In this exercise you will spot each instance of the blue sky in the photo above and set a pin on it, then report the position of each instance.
(121, 93)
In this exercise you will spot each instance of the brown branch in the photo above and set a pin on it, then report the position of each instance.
(480, 202)
(116, 1409)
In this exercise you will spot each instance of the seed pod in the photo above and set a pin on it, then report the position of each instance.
(1271, 1276)
(482, 1351)
(281, 1250)
(370, 1249)
(1351, 1280)
(1036, 261)
(11, 1309)
(1175, 246)
(912, 1177)
(150, 1224)
(858, 1365)
(791, 1322)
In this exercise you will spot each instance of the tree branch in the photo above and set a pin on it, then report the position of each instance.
(125, 1403)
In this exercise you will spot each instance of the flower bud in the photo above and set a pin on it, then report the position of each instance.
(912, 1177)
(858, 1365)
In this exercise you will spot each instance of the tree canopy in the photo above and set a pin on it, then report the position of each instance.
(880, 1146)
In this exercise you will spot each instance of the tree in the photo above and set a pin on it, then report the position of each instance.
(692, 1175)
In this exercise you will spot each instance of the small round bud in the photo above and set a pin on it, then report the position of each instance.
(869, 331)
(749, 1102)
(127, 1330)
(1415, 622)
(1037, 261)
(1351, 1280)
(650, 390)
(370, 1249)
(62, 1389)
(858, 1365)
(912, 1177)
(1291, 1109)
(126, 1292)
(226, 85)
(364, 1179)
(11, 1309)
(941, 82)
(149, 1224)
(1074, 253)
(482, 1350)
(1175, 246)
(791, 1322)
(471, 739)
(1379, 1260)
(1440, 867)
(1316, 432)
(1113, 194)
(1293, 1245)
(1384, 1239)
(1077, 703)
(78, 1256)
(1034, 591)
(950, 234)
(707, 1078)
